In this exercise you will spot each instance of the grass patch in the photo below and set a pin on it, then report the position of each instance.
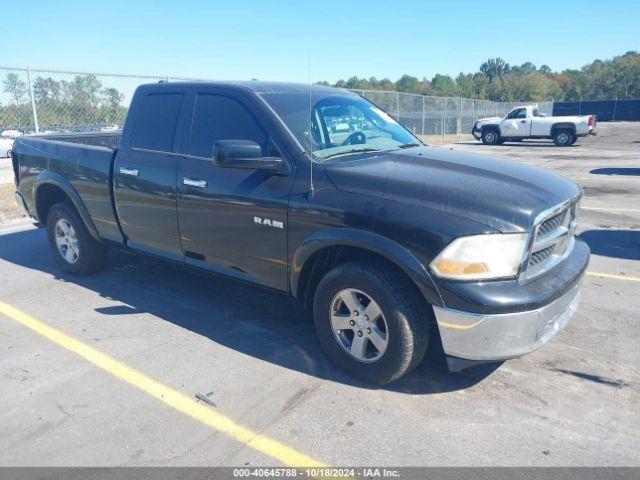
(9, 209)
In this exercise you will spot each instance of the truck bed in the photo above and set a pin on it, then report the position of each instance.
(98, 139)
(82, 171)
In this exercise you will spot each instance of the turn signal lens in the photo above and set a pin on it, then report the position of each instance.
(451, 267)
(481, 257)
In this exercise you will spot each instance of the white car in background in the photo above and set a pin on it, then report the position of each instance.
(527, 122)
(6, 141)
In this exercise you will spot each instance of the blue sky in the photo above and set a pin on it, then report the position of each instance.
(270, 39)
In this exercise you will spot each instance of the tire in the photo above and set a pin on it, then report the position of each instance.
(78, 253)
(575, 139)
(490, 136)
(501, 141)
(402, 316)
(563, 137)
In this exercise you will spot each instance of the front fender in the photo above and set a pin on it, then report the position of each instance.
(491, 126)
(373, 242)
(51, 178)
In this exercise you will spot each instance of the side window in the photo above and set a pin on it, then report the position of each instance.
(156, 124)
(519, 113)
(217, 117)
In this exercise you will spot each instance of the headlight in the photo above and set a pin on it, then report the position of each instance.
(481, 257)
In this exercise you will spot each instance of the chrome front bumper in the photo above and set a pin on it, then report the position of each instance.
(485, 337)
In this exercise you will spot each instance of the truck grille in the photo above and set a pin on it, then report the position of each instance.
(549, 226)
(541, 256)
(552, 240)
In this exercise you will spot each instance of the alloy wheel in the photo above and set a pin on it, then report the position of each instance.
(358, 325)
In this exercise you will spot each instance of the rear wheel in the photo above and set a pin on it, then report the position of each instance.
(490, 137)
(370, 322)
(74, 250)
(563, 138)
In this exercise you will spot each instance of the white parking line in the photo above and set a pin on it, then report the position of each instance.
(603, 209)
(18, 228)
(617, 178)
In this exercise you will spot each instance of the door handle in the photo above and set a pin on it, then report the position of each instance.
(129, 171)
(523, 121)
(194, 182)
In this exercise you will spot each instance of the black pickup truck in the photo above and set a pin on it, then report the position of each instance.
(319, 193)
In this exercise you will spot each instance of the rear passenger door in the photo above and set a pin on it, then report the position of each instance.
(145, 174)
(222, 210)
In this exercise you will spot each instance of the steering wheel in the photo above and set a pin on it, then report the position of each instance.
(356, 138)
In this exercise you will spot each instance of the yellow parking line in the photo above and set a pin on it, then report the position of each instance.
(614, 277)
(167, 395)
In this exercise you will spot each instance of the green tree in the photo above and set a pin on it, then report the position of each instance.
(443, 85)
(497, 80)
(46, 91)
(407, 83)
(112, 99)
(386, 84)
(626, 75)
(494, 68)
(523, 69)
(16, 87)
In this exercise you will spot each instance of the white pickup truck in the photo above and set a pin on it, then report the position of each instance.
(527, 122)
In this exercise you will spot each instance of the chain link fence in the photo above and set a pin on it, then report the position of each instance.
(442, 119)
(53, 101)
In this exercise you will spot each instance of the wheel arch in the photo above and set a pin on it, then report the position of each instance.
(51, 188)
(491, 126)
(563, 126)
(324, 250)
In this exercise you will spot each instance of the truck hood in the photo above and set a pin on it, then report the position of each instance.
(503, 195)
(488, 120)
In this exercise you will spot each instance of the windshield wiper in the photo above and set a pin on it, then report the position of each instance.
(409, 145)
(352, 151)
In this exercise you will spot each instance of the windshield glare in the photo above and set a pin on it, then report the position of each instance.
(339, 123)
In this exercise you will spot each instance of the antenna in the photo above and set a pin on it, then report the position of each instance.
(311, 190)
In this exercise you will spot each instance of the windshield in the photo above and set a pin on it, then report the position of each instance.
(340, 123)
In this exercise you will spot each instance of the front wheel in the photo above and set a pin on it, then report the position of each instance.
(563, 138)
(490, 137)
(370, 322)
(73, 248)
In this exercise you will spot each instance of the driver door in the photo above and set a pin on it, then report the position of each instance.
(517, 124)
(232, 220)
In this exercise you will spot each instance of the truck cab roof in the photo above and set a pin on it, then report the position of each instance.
(258, 87)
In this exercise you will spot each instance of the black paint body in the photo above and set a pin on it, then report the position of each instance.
(405, 205)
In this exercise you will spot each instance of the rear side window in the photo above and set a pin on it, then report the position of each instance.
(156, 124)
(217, 117)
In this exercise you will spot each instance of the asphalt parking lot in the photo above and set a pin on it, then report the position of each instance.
(272, 398)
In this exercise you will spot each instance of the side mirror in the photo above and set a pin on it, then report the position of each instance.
(244, 154)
